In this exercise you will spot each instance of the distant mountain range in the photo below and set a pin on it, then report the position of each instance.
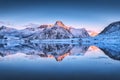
(56, 31)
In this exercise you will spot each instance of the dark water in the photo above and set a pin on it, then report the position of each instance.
(60, 62)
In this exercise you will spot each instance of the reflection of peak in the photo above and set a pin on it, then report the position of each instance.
(79, 50)
(57, 51)
(60, 58)
(93, 48)
(113, 51)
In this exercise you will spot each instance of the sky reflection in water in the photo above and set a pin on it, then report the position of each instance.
(60, 61)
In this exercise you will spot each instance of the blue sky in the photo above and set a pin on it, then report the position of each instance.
(90, 14)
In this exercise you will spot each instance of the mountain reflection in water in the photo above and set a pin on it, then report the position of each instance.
(59, 51)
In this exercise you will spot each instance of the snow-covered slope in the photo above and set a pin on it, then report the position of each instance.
(9, 32)
(111, 34)
(79, 33)
(55, 32)
(113, 27)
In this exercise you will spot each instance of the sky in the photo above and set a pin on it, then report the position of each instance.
(90, 14)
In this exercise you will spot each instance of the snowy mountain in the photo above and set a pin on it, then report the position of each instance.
(113, 27)
(58, 31)
(112, 30)
(9, 32)
(6, 29)
(110, 35)
(55, 32)
(79, 33)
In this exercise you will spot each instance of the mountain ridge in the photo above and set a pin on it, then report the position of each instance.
(56, 31)
(114, 26)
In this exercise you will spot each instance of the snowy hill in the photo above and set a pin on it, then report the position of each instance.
(112, 28)
(8, 32)
(111, 34)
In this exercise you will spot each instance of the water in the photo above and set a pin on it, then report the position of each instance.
(60, 61)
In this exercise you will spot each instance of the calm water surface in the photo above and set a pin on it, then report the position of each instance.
(60, 61)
